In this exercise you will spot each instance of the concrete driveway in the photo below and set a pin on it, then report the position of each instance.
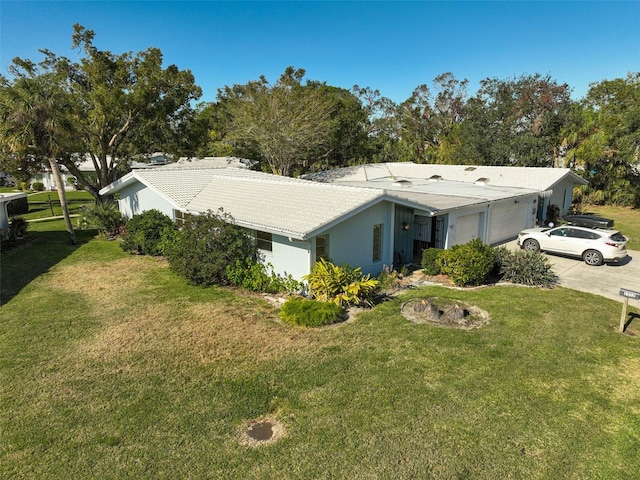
(605, 280)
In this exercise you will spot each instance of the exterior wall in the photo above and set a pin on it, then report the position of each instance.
(562, 196)
(351, 241)
(138, 197)
(288, 257)
(450, 239)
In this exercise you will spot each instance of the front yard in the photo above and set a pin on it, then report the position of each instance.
(111, 367)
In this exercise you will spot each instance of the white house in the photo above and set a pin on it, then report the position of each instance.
(156, 160)
(368, 216)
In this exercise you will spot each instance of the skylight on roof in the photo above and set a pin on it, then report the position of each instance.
(435, 178)
(482, 181)
(469, 169)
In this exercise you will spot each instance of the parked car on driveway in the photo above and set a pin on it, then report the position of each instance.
(593, 245)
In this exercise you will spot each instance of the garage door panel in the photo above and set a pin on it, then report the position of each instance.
(506, 220)
(467, 228)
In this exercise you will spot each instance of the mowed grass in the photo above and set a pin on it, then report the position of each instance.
(112, 367)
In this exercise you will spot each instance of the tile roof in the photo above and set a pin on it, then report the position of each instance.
(291, 206)
(298, 208)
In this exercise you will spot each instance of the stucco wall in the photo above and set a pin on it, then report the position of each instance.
(288, 257)
(137, 198)
(351, 241)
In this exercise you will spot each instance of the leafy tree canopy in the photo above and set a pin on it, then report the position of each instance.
(123, 105)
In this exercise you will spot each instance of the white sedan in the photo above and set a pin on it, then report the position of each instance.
(593, 245)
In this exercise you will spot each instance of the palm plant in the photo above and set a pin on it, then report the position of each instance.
(34, 122)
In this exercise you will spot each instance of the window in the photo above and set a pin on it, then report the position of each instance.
(179, 217)
(322, 247)
(377, 243)
(264, 241)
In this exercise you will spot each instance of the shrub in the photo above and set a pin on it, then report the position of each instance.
(105, 217)
(468, 264)
(37, 186)
(258, 277)
(389, 279)
(341, 285)
(19, 206)
(310, 313)
(207, 245)
(527, 268)
(144, 233)
(429, 262)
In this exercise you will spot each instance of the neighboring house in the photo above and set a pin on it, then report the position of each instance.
(368, 216)
(155, 160)
(5, 198)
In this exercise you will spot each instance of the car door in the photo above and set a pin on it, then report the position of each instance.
(556, 240)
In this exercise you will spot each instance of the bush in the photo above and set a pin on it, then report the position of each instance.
(341, 285)
(468, 264)
(310, 313)
(105, 217)
(527, 268)
(37, 186)
(258, 277)
(207, 245)
(144, 233)
(17, 231)
(429, 262)
(19, 206)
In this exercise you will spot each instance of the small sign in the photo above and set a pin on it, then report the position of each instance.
(629, 294)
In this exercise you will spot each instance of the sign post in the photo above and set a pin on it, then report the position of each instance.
(627, 294)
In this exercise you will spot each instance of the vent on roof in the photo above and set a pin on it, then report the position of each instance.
(435, 178)
(482, 181)
(401, 183)
(469, 169)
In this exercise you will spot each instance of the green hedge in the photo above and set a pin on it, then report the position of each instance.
(310, 313)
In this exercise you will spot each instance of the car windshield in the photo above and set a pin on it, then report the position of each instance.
(618, 237)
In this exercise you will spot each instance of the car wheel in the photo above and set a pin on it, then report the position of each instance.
(531, 245)
(592, 257)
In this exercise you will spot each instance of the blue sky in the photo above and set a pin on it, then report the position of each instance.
(389, 46)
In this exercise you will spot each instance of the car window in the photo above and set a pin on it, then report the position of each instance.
(559, 232)
(618, 237)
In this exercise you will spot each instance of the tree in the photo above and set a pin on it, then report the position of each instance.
(34, 124)
(604, 140)
(287, 124)
(515, 122)
(125, 105)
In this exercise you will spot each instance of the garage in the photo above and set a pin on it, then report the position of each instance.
(506, 219)
(467, 228)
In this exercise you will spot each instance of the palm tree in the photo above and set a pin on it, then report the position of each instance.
(34, 120)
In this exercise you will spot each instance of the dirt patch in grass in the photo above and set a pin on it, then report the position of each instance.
(444, 313)
(263, 431)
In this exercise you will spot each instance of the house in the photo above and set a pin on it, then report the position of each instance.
(155, 160)
(368, 216)
(5, 198)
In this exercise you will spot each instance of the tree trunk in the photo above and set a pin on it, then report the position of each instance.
(55, 169)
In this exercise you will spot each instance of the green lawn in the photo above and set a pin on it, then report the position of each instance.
(111, 367)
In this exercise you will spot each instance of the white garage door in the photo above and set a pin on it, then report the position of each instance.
(506, 220)
(467, 228)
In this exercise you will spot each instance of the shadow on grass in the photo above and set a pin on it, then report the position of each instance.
(41, 251)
